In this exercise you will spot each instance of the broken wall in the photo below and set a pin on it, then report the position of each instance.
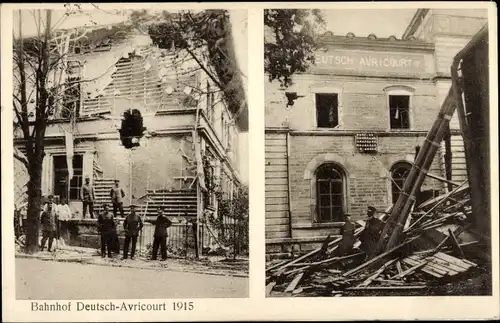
(156, 164)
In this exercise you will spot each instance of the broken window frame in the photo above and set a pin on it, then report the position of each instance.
(399, 113)
(340, 181)
(399, 90)
(316, 110)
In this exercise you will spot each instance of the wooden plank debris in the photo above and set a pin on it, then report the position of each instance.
(455, 243)
(398, 267)
(269, 288)
(410, 270)
(294, 283)
(377, 273)
(375, 259)
(405, 268)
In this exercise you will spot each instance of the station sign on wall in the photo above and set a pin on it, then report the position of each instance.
(364, 62)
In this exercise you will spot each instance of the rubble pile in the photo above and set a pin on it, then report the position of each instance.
(436, 249)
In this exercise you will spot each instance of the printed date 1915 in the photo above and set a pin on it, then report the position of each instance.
(183, 306)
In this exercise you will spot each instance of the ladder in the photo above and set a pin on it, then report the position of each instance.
(393, 229)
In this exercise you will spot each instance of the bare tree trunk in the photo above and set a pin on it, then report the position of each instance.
(34, 206)
(36, 155)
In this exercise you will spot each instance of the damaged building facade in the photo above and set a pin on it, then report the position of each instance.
(346, 133)
(191, 136)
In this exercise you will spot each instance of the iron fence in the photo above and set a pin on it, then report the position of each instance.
(227, 238)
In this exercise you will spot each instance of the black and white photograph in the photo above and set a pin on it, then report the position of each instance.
(249, 161)
(377, 152)
(130, 153)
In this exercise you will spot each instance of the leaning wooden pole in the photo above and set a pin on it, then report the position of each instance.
(434, 146)
(395, 225)
(408, 184)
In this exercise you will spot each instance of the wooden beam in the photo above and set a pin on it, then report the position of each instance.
(307, 255)
(455, 243)
(294, 283)
(330, 244)
(377, 258)
(398, 266)
(269, 288)
(377, 273)
(327, 260)
(426, 269)
(410, 270)
(277, 265)
(440, 202)
(442, 179)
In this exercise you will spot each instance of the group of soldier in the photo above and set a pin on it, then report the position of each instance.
(87, 196)
(368, 238)
(132, 223)
(132, 226)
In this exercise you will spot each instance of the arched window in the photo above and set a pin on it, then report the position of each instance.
(399, 173)
(330, 187)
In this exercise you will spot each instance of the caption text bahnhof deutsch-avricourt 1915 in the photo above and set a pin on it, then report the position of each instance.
(122, 306)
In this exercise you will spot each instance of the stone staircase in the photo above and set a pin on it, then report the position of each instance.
(182, 203)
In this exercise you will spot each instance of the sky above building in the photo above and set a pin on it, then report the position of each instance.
(362, 22)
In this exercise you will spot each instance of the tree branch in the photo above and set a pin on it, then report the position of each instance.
(23, 99)
(205, 69)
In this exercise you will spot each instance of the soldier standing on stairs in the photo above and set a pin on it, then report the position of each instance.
(87, 195)
(132, 225)
(117, 194)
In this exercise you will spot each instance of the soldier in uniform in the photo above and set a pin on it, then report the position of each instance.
(132, 225)
(107, 229)
(160, 236)
(117, 194)
(371, 232)
(49, 221)
(50, 200)
(347, 232)
(87, 195)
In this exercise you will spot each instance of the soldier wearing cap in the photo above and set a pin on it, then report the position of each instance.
(50, 200)
(132, 225)
(107, 229)
(160, 235)
(49, 221)
(87, 195)
(371, 232)
(117, 194)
